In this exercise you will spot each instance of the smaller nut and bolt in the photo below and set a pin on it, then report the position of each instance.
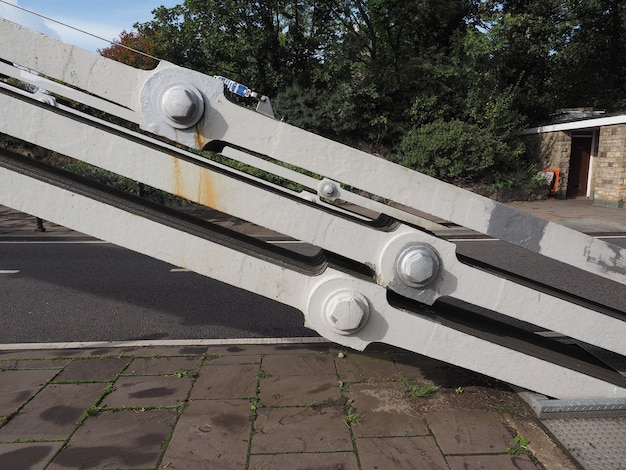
(328, 189)
(346, 311)
(418, 265)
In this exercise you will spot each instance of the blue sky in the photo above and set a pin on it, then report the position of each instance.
(101, 18)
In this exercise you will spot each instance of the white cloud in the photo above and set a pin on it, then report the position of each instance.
(24, 18)
(66, 34)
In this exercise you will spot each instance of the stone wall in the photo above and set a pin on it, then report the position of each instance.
(553, 150)
(610, 170)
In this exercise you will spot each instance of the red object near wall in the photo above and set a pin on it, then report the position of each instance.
(552, 176)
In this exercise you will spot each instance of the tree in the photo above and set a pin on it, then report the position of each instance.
(364, 60)
(560, 53)
(523, 40)
(398, 50)
(454, 151)
(132, 48)
(590, 68)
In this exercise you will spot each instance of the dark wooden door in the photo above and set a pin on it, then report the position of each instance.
(579, 167)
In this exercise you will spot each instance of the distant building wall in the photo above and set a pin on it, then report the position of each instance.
(552, 146)
(553, 150)
(610, 170)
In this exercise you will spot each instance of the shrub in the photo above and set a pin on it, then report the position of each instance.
(455, 151)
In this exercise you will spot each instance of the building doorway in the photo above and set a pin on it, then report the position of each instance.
(578, 174)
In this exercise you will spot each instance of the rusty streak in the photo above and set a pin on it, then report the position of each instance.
(194, 183)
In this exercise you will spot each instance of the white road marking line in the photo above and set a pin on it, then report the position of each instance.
(9, 271)
(180, 270)
(155, 343)
(55, 242)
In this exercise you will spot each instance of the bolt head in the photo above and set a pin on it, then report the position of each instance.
(182, 105)
(418, 265)
(346, 311)
(328, 189)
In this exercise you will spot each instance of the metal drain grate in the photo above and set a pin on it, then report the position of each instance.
(596, 443)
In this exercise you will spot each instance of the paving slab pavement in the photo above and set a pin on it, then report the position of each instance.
(299, 406)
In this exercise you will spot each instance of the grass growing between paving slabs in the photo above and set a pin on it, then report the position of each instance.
(333, 408)
(83, 367)
(333, 389)
(352, 417)
(419, 390)
(519, 446)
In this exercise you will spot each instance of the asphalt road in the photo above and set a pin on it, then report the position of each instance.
(551, 273)
(98, 291)
(95, 291)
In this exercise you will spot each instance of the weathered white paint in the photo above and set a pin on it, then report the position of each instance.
(377, 249)
(159, 165)
(226, 121)
(71, 93)
(71, 65)
(139, 234)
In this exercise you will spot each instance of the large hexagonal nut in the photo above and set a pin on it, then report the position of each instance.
(346, 311)
(418, 265)
(182, 105)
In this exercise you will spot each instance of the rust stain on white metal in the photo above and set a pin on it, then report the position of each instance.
(179, 187)
(207, 193)
(194, 183)
(201, 141)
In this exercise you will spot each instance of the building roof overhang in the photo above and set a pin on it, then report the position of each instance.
(576, 125)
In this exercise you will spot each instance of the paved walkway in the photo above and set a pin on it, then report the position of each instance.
(259, 407)
(578, 214)
(271, 406)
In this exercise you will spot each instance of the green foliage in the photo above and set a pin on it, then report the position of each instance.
(182, 372)
(474, 139)
(352, 417)
(254, 407)
(347, 69)
(454, 151)
(590, 65)
(519, 446)
(93, 410)
(328, 112)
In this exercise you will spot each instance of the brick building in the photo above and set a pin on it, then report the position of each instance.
(590, 154)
